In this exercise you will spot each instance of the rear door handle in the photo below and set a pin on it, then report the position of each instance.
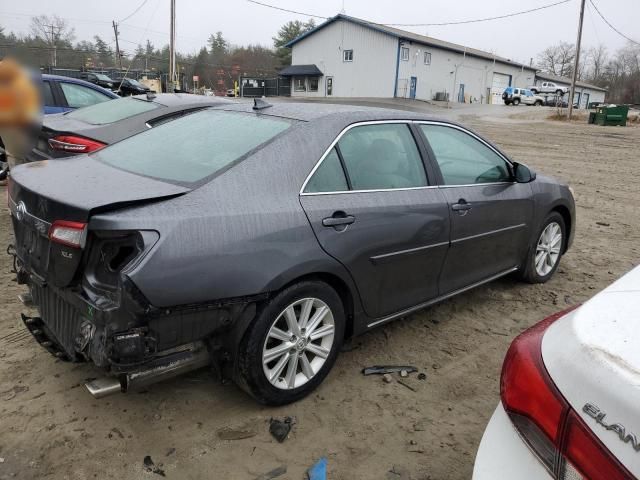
(462, 206)
(338, 219)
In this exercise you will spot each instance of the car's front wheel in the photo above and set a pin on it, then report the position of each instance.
(292, 344)
(545, 253)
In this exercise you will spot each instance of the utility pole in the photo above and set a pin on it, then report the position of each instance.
(118, 56)
(172, 49)
(54, 51)
(577, 59)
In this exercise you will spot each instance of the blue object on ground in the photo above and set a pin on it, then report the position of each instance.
(319, 470)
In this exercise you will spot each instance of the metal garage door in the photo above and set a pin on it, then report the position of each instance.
(500, 82)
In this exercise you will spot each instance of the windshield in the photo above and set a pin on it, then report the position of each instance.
(109, 112)
(99, 76)
(135, 83)
(194, 147)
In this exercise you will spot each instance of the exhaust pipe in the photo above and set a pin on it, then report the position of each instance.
(166, 367)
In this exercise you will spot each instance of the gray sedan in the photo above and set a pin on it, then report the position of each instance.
(256, 240)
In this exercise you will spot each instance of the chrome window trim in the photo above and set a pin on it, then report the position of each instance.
(407, 122)
(335, 142)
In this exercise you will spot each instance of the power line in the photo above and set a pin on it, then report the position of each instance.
(460, 22)
(478, 20)
(611, 26)
(287, 10)
(134, 12)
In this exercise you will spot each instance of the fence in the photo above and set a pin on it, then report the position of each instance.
(267, 87)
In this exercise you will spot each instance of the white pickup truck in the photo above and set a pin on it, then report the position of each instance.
(549, 87)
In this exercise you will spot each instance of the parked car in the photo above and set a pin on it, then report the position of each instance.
(570, 395)
(98, 79)
(556, 101)
(62, 94)
(231, 92)
(549, 87)
(129, 86)
(515, 96)
(257, 239)
(91, 128)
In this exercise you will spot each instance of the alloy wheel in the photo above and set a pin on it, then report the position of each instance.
(548, 249)
(298, 343)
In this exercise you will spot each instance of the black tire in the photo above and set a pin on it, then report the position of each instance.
(507, 103)
(529, 272)
(516, 101)
(4, 170)
(249, 373)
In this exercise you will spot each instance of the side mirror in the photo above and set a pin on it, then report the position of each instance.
(523, 174)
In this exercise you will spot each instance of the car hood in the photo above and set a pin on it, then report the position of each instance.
(592, 355)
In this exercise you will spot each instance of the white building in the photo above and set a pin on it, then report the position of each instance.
(350, 57)
(585, 93)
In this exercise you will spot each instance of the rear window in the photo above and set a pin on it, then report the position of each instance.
(113, 111)
(194, 147)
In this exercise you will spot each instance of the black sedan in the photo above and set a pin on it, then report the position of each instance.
(98, 79)
(129, 86)
(88, 129)
(257, 240)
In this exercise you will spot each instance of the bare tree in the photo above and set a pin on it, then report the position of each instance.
(597, 58)
(557, 59)
(53, 31)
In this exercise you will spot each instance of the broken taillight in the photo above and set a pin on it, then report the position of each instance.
(545, 420)
(74, 144)
(71, 234)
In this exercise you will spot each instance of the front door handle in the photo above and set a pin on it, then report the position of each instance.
(338, 219)
(462, 207)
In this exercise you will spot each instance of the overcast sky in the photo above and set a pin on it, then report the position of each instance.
(518, 38)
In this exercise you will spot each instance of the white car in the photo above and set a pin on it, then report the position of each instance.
(570, 392)
(549, 87)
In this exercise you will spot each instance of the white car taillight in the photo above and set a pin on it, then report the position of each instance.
(545, 420)
(71, 234)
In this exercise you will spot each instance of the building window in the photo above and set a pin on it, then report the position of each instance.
(404, 54)
(299, 84)
(313, 84)
(427, 58)
(347, 55)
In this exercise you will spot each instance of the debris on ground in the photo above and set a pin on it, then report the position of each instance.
(387, 378)
(603, 224)
(151, 467)
(275, 473)
(319, 470)
(382, 369)
(170, 452)
(230, 433)
(422, 376)
(405, 384)
(280, 429)
(404, 373)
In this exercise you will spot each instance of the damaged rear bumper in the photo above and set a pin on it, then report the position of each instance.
(134, 342)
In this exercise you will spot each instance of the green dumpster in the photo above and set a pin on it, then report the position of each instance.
(612, 115)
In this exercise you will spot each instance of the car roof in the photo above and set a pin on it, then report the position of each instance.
(61, 78)
(180, 99)
(307, 112)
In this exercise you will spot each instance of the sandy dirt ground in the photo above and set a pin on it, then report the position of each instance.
(50, 427)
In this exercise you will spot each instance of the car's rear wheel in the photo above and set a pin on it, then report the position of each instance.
(538, 103)
(516, 101)
(292, 343)
(546, 250)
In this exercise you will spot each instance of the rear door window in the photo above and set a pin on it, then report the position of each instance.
(113, 111)
(47, 94)
(382, 156)
(193, 147)
(329, 176)
(79, 96)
